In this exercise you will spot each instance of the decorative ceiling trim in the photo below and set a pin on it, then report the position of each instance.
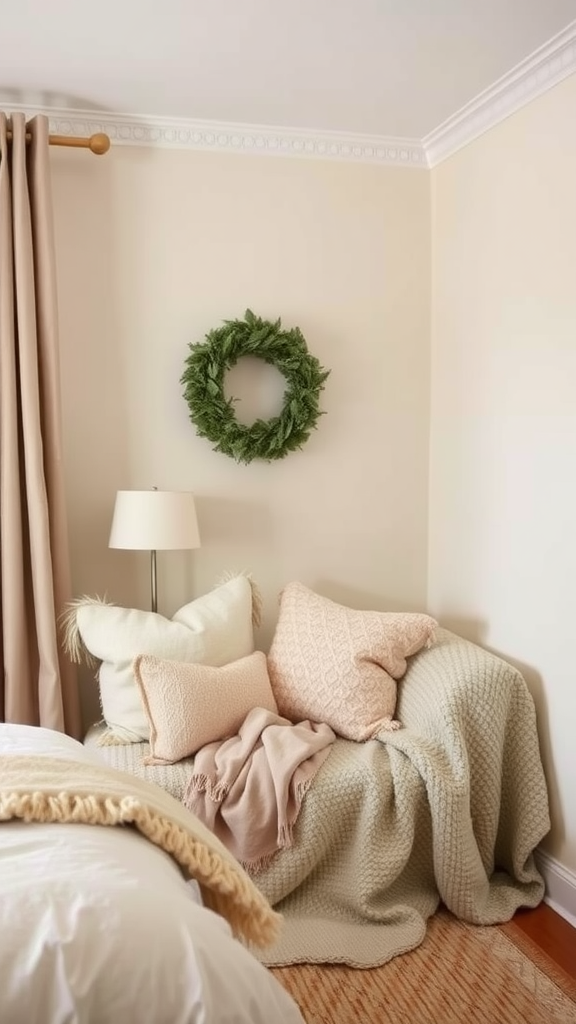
(182, 133)
(546, 67)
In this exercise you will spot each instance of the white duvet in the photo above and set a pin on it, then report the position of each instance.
(98, 926)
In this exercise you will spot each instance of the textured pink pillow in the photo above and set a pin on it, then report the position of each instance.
(333, 664)
(188, 705)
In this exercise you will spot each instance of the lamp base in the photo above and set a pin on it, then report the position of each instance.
(153, 585)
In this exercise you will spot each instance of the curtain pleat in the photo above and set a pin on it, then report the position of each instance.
(39, 685)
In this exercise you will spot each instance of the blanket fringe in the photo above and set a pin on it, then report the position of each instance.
(285, 835)
(254, 867)
(285, 840)
(201, 783)
(223, 889)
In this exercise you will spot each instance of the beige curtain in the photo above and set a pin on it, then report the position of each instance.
(38, 685)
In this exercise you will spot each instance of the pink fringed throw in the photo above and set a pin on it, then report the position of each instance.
(249, 789)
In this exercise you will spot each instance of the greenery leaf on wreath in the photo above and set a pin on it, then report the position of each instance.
(213, 414)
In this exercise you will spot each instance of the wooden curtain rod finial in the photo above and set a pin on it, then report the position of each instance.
(98, 143)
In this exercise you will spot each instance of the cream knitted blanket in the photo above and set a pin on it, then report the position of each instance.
(46, 788)
(451, 808)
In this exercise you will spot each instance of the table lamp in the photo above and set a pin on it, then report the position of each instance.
(154, 521)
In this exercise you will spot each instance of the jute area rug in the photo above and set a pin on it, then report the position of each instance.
(461, 974)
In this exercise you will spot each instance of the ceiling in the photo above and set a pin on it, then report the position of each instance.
(390, 68)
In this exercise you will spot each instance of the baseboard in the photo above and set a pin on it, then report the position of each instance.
(560, 886)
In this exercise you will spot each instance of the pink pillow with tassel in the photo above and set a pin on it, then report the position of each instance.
(338, 665)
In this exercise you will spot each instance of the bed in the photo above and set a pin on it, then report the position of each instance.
(115, 905)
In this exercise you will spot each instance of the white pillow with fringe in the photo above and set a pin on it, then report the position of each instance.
(215, 629)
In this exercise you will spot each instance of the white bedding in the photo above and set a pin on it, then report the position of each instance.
(97, 925)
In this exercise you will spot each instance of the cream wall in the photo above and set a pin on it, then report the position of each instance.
(156, 247)
(502, 555)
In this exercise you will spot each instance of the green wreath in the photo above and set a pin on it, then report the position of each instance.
(213, 415)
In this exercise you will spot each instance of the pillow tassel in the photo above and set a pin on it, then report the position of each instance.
(72, 641)
(230, 574)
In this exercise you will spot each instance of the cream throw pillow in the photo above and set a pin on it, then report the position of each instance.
(188, 706)
(212, 630)
(333, 664)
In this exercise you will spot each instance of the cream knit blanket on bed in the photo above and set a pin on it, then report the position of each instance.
(450, 807)
(46, 789)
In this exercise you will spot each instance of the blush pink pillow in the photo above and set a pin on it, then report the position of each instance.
(189, 705)
(338, 665)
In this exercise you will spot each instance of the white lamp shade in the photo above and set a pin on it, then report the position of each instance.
(154, 521)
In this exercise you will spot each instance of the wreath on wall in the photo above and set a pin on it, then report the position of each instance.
(213, 414)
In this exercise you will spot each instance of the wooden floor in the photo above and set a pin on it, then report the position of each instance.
(552, 934)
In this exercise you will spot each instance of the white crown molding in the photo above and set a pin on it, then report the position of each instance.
(182, 133)
(546, 67)
(560, 886)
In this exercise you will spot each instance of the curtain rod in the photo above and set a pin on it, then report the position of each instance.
(98, 144)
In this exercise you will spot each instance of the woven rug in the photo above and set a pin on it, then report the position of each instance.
(461, 974)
